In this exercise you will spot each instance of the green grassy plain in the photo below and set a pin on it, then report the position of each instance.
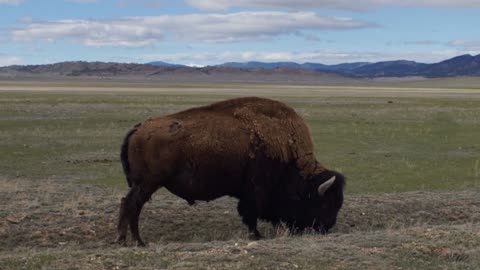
(405, 141)
(410, 151)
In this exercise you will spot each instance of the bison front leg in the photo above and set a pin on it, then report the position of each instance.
(247, 210)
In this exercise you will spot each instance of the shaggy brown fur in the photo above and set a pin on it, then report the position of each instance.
(241, 147)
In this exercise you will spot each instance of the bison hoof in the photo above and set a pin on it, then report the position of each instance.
(122, 241)
(254, 236)
(140, 243)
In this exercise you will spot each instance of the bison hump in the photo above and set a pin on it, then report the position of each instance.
(280, 133)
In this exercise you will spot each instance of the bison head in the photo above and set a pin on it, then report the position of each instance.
(320, 203)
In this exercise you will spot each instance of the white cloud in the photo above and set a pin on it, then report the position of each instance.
(118, 33)
(470, 46)
(143, 31)
(10, 2)
(25, 19)
(83, 1)
(425, 42)
(319, 56)
(219, 5)
(6, 60)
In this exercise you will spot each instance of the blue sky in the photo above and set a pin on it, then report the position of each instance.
(203, 32)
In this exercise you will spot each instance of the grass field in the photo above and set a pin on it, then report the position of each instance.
(411, 153)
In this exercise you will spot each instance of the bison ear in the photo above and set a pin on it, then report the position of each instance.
(323, 187)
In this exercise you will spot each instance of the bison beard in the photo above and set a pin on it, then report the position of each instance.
(254, 149)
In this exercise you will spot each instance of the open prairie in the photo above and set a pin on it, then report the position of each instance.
(410, 152)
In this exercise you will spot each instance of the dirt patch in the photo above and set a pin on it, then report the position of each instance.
(389, 211)
(103, 160)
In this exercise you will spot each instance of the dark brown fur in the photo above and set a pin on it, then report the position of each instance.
(257, 150)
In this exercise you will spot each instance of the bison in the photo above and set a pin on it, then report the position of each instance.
(254, 149)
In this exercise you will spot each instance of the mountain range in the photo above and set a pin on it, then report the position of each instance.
(464, 65)
(284, 72)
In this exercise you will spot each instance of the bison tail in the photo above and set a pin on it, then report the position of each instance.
(124, 154)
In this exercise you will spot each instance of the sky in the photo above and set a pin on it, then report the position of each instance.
(207, 32)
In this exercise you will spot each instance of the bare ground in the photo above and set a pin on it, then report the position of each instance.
(53, 223)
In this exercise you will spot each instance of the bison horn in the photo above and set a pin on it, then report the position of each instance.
(323, 187)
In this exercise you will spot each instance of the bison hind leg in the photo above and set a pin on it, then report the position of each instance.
(130, 208)
(247, 210)
(123, 219)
